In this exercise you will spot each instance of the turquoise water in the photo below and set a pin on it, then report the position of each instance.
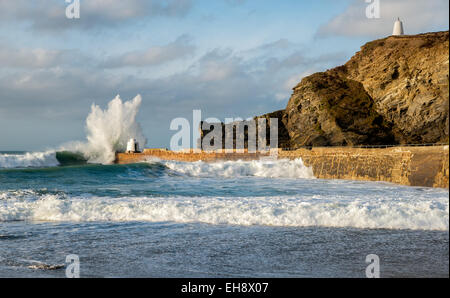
(228, 219)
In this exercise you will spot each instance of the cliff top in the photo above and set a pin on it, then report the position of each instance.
(393, 91)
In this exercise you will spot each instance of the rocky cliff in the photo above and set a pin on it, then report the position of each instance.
(239, 132)
(393, 91)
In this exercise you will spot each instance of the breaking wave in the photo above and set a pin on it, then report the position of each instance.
(283, 168)
(29, 160)
(109, 130)
(309, 211)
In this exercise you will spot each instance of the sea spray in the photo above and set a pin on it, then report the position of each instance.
(29, 160)
(282, 168)
(109, 130)
(368, 212)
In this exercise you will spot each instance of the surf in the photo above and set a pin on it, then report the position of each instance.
(29, 160)
(45, 159)
(107, 132)
(367, 212)
(282, 168)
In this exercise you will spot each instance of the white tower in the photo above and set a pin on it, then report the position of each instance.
(132, 146)
(398, 28)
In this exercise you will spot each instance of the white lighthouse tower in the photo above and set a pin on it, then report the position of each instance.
(132, 146)
(398, 28)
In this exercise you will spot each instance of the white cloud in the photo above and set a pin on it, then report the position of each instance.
(419, 16)
(178, 49)
(112, 9)
(217, 65)
(121, 10)
(50, 14)
(30, 58)
(281, 44)
(221, 82)
(293, 81)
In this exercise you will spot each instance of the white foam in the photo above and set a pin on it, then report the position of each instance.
(27, 160)
(109, 130)
(283, 168)
(315, 211)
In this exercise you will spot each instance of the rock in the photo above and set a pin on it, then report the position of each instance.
(330, 109)
(407, 76)
(241, 138)
(393, 91)
(284, 140)
(42, 266)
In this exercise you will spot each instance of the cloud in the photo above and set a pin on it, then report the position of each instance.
(281, 44)
(122, 10)
(180, 48)
(49, 15)
(220, 82)
(30, 58)
(217, 65)
(419, 16)
(217, 78)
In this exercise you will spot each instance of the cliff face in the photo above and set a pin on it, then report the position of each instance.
(240, 132)
(330, 109)
(284, 140)
(394, 91)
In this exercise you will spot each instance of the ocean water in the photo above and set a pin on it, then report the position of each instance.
(224, 219)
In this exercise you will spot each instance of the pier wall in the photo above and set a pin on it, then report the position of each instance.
(413, 166)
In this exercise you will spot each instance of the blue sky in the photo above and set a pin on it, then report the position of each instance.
(229, 58)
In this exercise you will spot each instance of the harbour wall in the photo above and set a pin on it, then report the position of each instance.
(412, 166)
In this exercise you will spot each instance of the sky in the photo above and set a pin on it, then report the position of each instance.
(228, 58)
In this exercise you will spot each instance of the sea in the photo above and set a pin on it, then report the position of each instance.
(69, 211)
(257, 219)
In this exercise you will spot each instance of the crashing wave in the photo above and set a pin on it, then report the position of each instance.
(283, 168)
(29, 160)
(109, 130)
(415, 213)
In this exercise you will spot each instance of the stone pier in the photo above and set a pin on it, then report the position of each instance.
(413, 166)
